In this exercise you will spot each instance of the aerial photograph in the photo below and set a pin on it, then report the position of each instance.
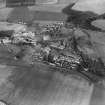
(52, 52)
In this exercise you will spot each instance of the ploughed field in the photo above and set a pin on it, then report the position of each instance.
(38, 83)
(23, 82)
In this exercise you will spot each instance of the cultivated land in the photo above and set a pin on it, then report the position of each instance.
(37, 86)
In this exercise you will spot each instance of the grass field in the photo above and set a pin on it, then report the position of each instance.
(33, 87)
